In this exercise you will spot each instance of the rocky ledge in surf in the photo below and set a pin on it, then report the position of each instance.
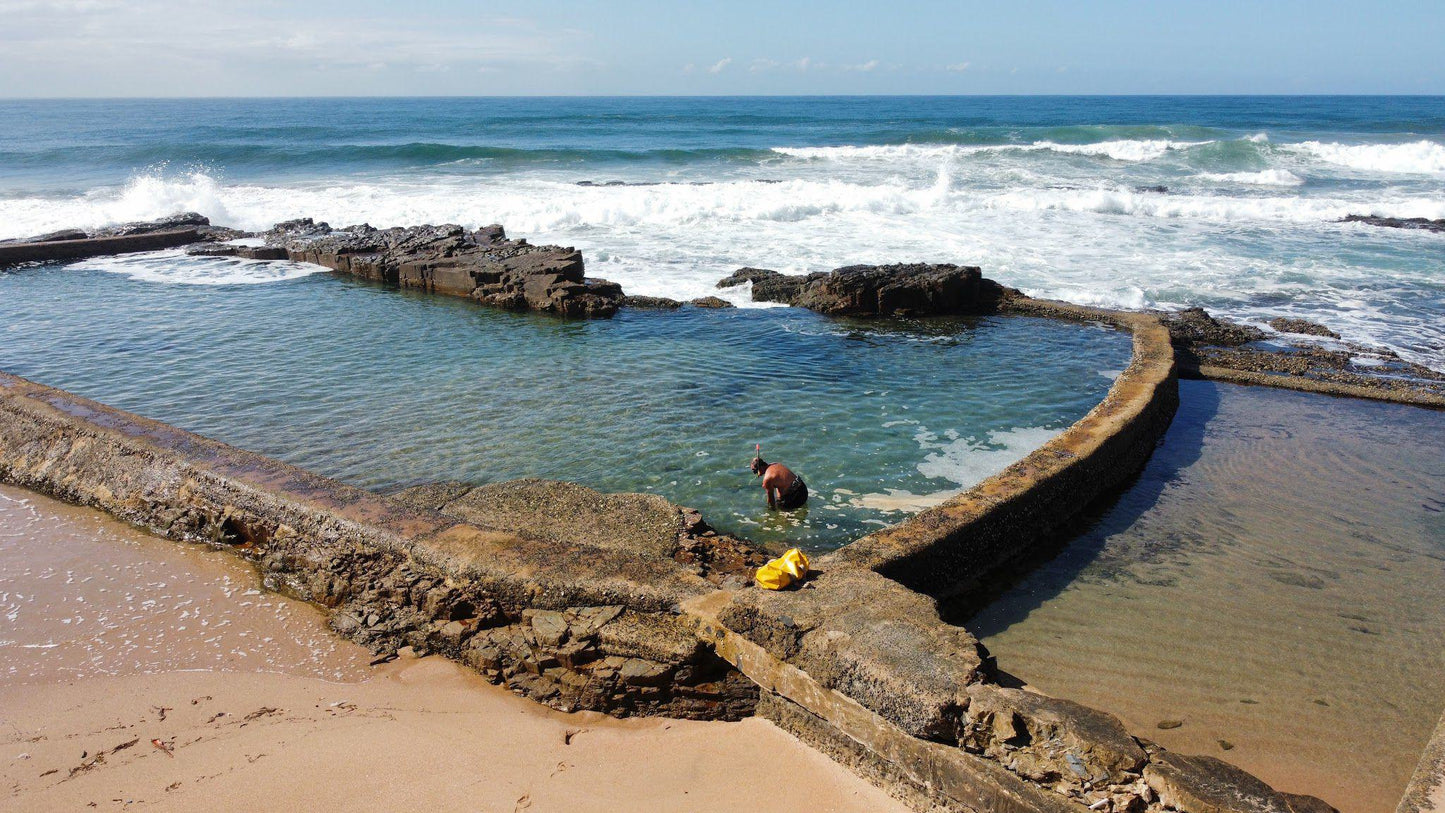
(192, 221)
(151, 235)
(480, 264)
(1208, 347)
(1420, 223)
(904, 289)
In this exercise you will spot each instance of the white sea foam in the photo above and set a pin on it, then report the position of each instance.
(1268, 177)
(1122, 150)
(1118, 150)
(1420, 157)
(175, 267)
(969, 461)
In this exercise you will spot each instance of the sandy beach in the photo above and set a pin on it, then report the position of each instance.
(153, 674)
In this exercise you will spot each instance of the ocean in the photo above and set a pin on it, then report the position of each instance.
(1231, 203)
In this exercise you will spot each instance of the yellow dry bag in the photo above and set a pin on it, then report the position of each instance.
(785, 570)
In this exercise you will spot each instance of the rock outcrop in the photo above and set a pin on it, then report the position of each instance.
(905, 289)
(1213, 348)
(481, 264)
(1302, 327)
(1422, 223)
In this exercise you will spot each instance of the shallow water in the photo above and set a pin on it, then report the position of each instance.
(383, 388)
(84, 595)
(1275, 580)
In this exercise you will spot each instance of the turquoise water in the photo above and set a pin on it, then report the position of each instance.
(383, 388)
(1230, 203)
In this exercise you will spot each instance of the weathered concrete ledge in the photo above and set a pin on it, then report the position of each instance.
(581, 620)
(949, 551)
(76, 249)
(1425, 792)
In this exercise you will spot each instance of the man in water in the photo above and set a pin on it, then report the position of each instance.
(785, 489)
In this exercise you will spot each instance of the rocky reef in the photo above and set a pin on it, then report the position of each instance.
(1295, 358)
(481, 264)
(915, 289)
(1422, 223)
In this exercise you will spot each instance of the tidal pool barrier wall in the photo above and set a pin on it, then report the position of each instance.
(858, 662)
(53, 250)
(949, 551)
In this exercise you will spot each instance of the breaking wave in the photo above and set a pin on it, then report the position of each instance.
(1421, 157)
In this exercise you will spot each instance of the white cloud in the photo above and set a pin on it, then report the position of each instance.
(865, 67)
(167, 47)
(802, 64)
(958, 67)
(717, 67)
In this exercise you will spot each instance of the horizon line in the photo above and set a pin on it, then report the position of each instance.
(729, 96)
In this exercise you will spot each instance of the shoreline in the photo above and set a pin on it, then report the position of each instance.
(266, 730)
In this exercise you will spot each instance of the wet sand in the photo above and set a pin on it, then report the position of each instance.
(116, 639)
(1271, 592)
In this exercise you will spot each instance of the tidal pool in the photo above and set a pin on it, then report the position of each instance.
(1273, 583)
(383, 388)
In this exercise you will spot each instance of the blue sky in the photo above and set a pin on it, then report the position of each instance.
(445, 47)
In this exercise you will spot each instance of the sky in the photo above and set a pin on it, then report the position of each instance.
(105, 48)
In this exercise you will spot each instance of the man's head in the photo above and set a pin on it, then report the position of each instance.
(759, 466)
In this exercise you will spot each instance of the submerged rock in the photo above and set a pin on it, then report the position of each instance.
(481, 264)
(652, 303)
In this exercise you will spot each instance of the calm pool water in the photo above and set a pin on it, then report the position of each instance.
(383, 389)
(1274, 581)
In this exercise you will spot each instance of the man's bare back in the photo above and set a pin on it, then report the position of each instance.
(785, 489)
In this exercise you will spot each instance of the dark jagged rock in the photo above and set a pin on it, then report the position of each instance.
(1302, 327)
(55, 236)
(653, 303)
(711, 302)
(184, 222)
(1194, 326)
(179, 221)
(888, 290)
(876, 290)
(1158, 189)
(482, 264)
(769, 286)
(1422, 223)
